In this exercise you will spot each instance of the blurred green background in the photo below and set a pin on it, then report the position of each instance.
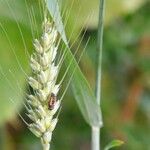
(125, 80)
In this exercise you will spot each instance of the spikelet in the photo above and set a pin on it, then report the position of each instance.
(44, 104)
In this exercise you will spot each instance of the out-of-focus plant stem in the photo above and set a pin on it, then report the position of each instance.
(96, 130)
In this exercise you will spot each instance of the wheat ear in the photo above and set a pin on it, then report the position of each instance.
(43, 103)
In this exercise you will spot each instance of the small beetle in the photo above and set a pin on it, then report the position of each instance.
(52, 101)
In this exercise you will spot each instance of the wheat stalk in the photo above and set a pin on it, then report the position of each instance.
(43, 103)
(95, 143)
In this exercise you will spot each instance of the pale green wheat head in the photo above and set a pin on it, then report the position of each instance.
(43, 102)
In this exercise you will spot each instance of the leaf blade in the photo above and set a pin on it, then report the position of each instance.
(53, 8)
(81, 89)
(114, 143)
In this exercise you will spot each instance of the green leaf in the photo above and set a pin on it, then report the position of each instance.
(9, 88)
(53, 8)
(11, 14)
(84, 95)
(114, 143)
(81, 89)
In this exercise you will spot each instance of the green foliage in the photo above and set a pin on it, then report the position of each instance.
(15, 48)
(10, 86)
(83, 93)
(114, 143)
(54, 10)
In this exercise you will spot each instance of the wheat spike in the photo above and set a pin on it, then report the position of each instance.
(43, 102)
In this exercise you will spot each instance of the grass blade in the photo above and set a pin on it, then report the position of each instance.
(114, 143)
(53, 8)
(81, 89)
(95, 143)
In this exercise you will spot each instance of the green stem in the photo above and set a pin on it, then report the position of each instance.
(46, 146)
(96, 130)
(95, 138)
(99, 52)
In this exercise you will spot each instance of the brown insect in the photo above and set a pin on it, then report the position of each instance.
(52, 101)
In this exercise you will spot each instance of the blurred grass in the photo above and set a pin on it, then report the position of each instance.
(126, 82)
